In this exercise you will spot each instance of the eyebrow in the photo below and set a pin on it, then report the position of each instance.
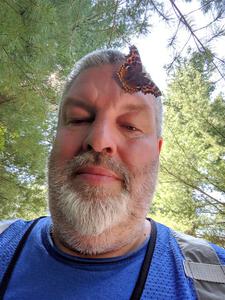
(79, 103)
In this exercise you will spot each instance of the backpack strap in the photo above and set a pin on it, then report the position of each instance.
(203, 266)
(12, 241)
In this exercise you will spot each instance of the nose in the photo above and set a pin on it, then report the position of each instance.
(100, 138)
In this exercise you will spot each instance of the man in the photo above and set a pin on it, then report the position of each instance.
(102, 176)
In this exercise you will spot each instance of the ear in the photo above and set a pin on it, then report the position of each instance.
(160, 142)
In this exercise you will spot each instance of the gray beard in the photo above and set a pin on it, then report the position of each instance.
(90, 215)
(83, 215)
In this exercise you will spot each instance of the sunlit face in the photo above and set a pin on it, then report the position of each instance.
(104, 161)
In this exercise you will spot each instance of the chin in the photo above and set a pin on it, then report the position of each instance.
(89, 212)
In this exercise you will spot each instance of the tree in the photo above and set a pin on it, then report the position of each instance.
(192, 186)
(199, 38)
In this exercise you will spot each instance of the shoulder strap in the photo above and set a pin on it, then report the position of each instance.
(143, 274)
(12, 241)
(203, 266)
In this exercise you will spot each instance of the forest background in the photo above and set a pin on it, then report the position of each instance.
(40, 40)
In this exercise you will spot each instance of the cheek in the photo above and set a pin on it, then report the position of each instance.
(67, 144)
(140, 153)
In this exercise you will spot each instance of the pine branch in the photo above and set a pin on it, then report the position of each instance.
(209, 24)
(164, 17)
(113, 27)
(196, 39)
(200, 8)
(13, 8)
(192, 167)
(214, 128)
(199, 190)
(179, 54)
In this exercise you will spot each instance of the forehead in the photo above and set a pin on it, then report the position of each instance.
(97, 87)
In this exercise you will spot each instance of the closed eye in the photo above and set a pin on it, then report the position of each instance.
(80, 121)
(131, 128)
(132, 131)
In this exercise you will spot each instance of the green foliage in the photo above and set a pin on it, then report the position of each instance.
(192, 187)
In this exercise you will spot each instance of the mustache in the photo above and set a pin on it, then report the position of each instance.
(98, 159)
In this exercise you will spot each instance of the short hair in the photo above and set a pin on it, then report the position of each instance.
(102, 57)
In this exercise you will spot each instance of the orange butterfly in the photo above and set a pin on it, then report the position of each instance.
(132, 78)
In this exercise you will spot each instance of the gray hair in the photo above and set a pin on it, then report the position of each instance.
(107, 57)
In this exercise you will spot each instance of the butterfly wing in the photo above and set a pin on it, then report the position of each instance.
(131, 77)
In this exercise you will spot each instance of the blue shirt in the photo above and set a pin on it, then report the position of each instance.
(44, 272)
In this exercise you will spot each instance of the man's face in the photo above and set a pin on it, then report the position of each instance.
(103, 165)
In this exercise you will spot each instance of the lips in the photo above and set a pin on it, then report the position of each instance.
(97, 171)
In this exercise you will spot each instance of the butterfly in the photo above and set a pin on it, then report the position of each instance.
(131, 77)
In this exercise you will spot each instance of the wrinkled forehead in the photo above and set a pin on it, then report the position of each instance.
(101, 80)
(89, 76)
(96, 89)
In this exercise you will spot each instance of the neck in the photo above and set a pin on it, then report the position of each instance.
(116, 241)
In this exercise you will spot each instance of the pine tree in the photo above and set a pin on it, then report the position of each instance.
(191, 193)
